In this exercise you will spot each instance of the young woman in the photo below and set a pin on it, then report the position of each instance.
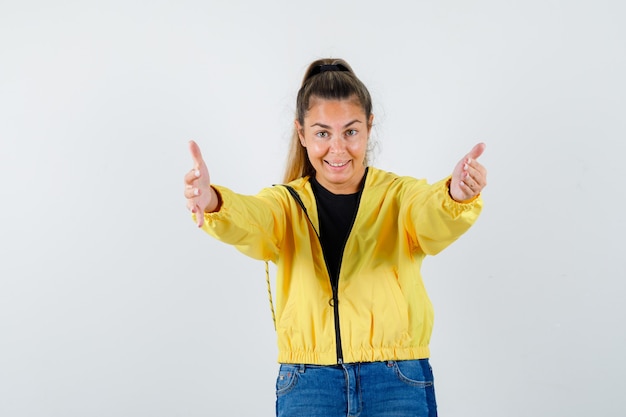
(352, 315)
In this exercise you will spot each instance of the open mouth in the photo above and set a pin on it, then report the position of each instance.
(337, 164)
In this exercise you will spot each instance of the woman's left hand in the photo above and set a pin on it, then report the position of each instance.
(469, 177)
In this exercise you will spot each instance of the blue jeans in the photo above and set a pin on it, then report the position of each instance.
(368, 389)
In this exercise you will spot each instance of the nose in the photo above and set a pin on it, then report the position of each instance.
(337, 145)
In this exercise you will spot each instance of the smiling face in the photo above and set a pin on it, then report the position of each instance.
(335, 134)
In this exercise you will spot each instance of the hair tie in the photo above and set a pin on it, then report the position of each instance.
(332, 67)
(328, 67)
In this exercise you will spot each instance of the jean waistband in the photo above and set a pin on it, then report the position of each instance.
(301, 367)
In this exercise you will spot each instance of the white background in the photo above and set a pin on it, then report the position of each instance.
(113, 304)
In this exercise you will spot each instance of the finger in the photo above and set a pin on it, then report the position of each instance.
(199, 216)
(191, 176)
(468, 182)
(478, 172)
(191, 193)
(476, 168)
(466, 190)
(472, 171)
(476, 151)
(196, 155)
(475, 183)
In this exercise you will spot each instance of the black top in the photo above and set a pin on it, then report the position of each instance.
(336, 216)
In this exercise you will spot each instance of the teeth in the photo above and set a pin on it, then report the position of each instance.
(338, 164)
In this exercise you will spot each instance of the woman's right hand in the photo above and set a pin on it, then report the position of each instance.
(201, 197)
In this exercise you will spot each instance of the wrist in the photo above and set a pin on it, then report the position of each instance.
(459, 200)
(215, 202)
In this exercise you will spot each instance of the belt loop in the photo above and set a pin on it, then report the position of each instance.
(301, 368)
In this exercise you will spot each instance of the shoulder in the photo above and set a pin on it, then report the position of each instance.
(300, 186)
(377, 178)
(284, 193)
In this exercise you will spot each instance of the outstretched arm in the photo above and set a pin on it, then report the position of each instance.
(434, 219)
(201, 197)
(469, 177)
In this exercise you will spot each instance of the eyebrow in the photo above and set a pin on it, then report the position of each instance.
(328, 127)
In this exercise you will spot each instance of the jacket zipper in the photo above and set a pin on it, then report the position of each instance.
(335, 304)
(335, 289)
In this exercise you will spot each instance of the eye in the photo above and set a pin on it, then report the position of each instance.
(322, 134)
(352, 132)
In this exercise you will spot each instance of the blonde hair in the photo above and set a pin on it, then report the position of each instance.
(328, 79)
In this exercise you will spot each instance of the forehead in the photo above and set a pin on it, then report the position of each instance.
(333, 107)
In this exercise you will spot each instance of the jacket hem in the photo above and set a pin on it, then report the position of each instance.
(366, 355)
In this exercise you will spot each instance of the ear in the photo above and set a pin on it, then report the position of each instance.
(300, 131)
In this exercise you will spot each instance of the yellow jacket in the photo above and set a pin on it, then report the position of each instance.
(382, 310)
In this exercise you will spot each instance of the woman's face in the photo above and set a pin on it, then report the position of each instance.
(335, 134)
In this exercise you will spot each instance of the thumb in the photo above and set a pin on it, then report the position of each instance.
(477, 150)
(196, 155)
